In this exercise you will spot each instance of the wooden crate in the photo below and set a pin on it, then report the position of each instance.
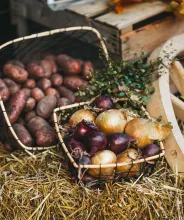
(145, 25)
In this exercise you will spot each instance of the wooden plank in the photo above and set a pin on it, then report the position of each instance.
(132, 14)
(177, 76)
(150, 36)
(90, 10)
(160, 103)
(178, 107)
(45, 16)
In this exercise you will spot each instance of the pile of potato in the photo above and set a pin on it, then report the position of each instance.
(31, 92)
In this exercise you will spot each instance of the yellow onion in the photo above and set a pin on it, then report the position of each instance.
(80, 115)
(145, 131)
(128, 170)
(111, 121)
(103, 157)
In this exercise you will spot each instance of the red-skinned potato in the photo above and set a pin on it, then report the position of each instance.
(61, 59)
(35, 70)
(27, 92)
(29, 115)
(4, 91)
(52, 60)
(74, 82)
(35, 124)
(56, 79)
(66, 93)
(44, 84)
(63, 102)
(12, 86)
(21, 121)
(15, 106)
(30, 104)
(46, 136)
(46, 106)
(37, 94)
(52, 91)
(30, 84)
(47, 67)
(87, 69)
(15, 72)
(17, 63)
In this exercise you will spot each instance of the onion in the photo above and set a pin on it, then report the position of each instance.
(75, 147)
(95, 141)
(79, 115)
(118, 142)
(128, 170)
(103, 157)
(111, 121)
(85, 160)
(145, 131)
(103, 102)
(150, 150)
(83, 128)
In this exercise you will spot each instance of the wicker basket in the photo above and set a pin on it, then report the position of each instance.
(146, 164)
(35, 46)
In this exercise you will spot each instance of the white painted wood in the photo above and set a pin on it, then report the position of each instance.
(132, 14)
(160, 103)
(178, 107)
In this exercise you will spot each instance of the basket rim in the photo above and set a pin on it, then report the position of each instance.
(43, 34)
(56, 110)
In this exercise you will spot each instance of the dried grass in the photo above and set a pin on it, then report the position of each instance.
(40, 189)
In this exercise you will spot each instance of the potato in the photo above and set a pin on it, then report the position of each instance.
(15, 106)
(69, 66)
(35, 70)
(46, 106)
(17, 63)
(27, 92)
(35, 124)
(12, 86)
(30, 104)
(61, 59)
(4, 91)
(66, 93)
(63, 102)
(23, 135)
(44, 84)
(15, 72)
(37, 94)
(52, 60)
(74, 82)
(21, 121)
(29, 115)
(46, 136)
(56, 79)
(87, 69)
(52, 91)
(47, 67)
(30, 84)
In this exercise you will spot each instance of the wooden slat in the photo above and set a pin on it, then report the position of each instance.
(133, 14)
(178, 107)
(150, 36)
(90, 10)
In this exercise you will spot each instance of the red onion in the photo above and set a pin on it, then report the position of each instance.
(150, 150)
(84, 160)
(83, 128)
(118, 142)
(95, 141)
(75, 147)
(104, 102)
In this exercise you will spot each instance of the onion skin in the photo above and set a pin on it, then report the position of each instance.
(95, 141)
(83, 128)
(111, 121)
(75, 147)
(128, 170)
(104, 102)
(85, 160)
(80, 115)
(103, 157)
(150, 150)
(118, 142)
(137, 130)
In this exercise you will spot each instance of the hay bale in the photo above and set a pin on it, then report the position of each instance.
(40, 189)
